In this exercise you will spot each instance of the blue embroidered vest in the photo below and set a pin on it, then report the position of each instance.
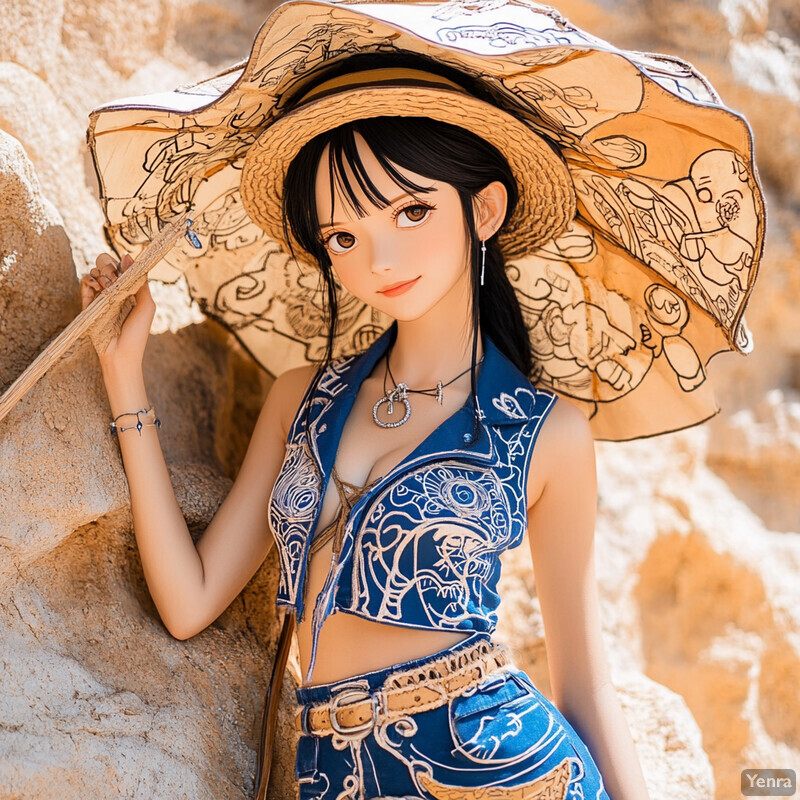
(421, 547)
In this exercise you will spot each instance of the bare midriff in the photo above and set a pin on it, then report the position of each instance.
(351, 645)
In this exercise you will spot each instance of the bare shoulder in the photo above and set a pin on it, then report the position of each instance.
(288, 391)
(565, 426)
(564, 449)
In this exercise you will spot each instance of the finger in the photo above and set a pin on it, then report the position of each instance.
(102, 276)
(126, 262)
(92, 281)
(108, 266)
(109, 270)
(89, 290)
(105, 259)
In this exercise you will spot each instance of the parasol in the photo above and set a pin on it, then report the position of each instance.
(625, 308)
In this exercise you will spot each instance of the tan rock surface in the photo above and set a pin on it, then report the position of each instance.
(698, 536)
(34, 245)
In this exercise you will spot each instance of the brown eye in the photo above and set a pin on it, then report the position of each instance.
(412, 215)
(341, 242)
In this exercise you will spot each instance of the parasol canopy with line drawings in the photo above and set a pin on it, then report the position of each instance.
(625, 308)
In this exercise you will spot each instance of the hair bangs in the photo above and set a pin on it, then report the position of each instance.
(345, 164)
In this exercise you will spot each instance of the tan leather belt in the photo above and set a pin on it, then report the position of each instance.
(354, 711)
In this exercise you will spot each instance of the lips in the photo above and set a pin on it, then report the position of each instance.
(398, 288)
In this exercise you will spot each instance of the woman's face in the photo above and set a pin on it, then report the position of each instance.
(405, 259)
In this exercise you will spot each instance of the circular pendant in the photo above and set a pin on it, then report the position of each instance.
(398, 395)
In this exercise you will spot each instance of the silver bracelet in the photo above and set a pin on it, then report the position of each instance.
(117, 429)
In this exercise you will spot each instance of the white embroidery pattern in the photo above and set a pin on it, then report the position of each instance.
(297, 493)
(427, 555)
(292, 509)
(423, 548)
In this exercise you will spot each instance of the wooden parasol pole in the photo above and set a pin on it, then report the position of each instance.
(102, 318)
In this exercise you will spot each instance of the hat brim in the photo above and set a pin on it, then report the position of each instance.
(546, 203)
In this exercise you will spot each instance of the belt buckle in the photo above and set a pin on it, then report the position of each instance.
(350, 696)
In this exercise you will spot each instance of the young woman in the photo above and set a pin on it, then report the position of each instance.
(392, 481)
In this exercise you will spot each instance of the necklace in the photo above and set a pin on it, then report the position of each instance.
(401, 392)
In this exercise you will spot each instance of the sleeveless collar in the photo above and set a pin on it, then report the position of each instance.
(505, 397)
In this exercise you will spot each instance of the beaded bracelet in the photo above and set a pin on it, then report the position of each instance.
(117, 429)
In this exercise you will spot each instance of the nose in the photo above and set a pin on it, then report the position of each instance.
(383, 255)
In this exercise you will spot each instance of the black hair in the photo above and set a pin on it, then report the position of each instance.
(435, 150)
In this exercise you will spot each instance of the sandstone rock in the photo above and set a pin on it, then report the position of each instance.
(53, 141)
(32, 33)
(99, 700)
(38, 287)
(757, 450)
(93, 685)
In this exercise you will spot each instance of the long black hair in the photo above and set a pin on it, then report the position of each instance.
(438, 151)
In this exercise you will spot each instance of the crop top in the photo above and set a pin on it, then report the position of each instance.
(420, 546)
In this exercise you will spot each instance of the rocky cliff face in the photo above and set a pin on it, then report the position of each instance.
(698, 537)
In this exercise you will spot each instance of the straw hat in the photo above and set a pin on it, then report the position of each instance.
(546, 203)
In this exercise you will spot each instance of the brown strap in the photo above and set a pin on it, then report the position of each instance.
(349, 494)
(269, 718)
(394, 703)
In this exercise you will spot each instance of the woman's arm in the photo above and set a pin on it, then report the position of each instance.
(190, 585)
(238, 537)
(562, 493)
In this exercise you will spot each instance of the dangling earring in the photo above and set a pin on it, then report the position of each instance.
(483, 260)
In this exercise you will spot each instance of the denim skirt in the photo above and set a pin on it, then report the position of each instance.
(499, 739)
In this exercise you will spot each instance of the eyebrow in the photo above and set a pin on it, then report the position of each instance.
(344, 224)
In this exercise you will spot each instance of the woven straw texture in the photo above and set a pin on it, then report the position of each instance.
(546, 196)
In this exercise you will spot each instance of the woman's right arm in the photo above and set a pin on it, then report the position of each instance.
(190, 585)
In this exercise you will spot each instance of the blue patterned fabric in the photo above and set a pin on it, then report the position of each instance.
(421, 547)
(501, 740)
